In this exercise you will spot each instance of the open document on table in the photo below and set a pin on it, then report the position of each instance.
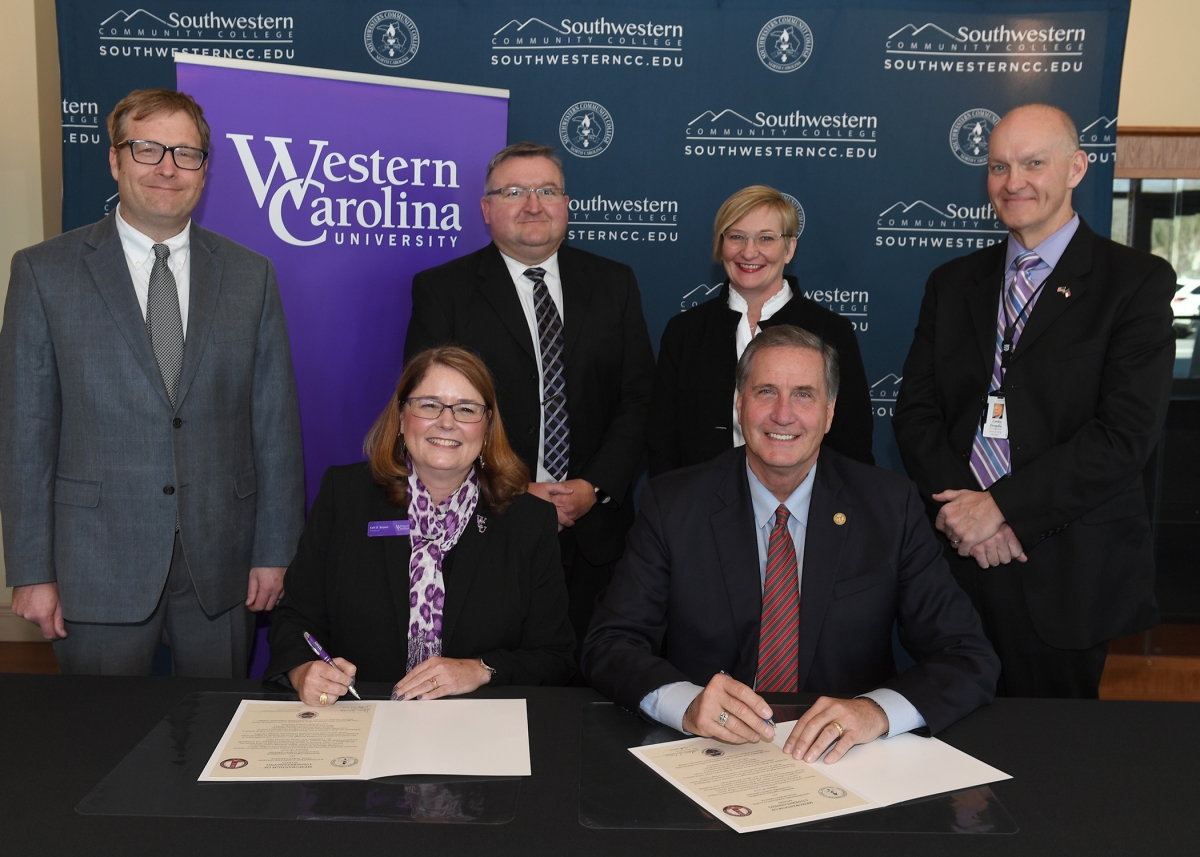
(364, 740)
(758, 786)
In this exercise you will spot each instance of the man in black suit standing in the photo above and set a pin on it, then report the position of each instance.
(563, 334)
(1033, 394)
(767, 570)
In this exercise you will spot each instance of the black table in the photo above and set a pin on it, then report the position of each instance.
(1089, 778)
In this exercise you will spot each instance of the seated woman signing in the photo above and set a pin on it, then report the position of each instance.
(428, 563)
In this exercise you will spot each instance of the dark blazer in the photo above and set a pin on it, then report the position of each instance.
(1087, 391)
(686, 599)
(95, 464)
(471, 301)
(692, 417)
(505, 597)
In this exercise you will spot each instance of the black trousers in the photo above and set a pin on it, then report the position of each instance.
(1028, 665)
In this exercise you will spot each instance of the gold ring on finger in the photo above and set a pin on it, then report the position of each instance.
(324, 698)
(839, 728)
(435, 684)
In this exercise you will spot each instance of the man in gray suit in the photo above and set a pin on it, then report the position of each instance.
(151, 479)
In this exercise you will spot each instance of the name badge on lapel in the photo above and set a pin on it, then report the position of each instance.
(995, 420)
(375, 529)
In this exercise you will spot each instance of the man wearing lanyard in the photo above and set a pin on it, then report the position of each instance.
(1033, 394)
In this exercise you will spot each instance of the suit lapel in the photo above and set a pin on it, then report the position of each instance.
(983, 303)
(737, 553)
(205, 288)
(824, 542)
(496, 286)
(1068, 275)
(397, 551)
(459, 574)
(110, 273)
(577, 296)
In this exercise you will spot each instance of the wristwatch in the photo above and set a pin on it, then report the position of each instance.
(491, 671)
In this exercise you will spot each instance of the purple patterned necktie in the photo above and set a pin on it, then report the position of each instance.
(554, 382)
(990, 459)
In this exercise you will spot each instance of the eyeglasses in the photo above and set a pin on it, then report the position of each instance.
(764, 240)
(520, 194)
(151, 153)
(431, 409)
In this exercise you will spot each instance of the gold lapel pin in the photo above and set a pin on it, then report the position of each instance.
(839, 518)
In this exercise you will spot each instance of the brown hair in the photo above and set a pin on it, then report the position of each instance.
(502, 476)
(745, 201)
(791, 336)
(141, 103)
(523, 149)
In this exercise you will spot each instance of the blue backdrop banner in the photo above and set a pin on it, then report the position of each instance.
(874, 117)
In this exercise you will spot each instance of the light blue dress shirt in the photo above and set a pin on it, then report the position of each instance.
(669, 703)
(1049, 251)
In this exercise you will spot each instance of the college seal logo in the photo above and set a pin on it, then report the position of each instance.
(344, 762)
(795, 203)
(784, 43)
(737, 811)
(586, 129)
(969, 135)
(391, 38)
(832, 792)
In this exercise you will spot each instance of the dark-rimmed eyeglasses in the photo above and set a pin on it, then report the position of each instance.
(431, 409)
(520, 194)
(150, 153)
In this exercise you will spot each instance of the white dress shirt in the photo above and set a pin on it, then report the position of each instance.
(525, 293)
(737, 303)
(670, 702)
(139, 255)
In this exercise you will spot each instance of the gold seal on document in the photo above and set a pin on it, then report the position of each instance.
(839, 518)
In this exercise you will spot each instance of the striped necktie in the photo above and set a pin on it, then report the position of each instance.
(990, 456)
(779, 634)
(557, 441)
(165, 322)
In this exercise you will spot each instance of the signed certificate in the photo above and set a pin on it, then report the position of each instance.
(757, 786)
(363, 740)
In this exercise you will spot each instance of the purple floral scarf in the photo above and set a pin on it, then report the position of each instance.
(433, 532)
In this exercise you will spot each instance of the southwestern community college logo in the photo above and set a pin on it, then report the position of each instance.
(586, 129)
(795, 203)
(969, 135)
(392, 38)
(784, 43)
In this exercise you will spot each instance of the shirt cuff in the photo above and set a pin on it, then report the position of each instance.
(669, 703)
(902, 715)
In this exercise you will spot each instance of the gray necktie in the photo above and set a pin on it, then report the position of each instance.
(165, 322)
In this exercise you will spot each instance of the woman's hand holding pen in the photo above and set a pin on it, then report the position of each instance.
(317, 677)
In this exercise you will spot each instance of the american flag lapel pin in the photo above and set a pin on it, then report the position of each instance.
(1064, 291)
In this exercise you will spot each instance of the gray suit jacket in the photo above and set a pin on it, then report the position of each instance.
(94, 462)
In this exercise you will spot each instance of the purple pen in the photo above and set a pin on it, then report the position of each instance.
(324, 655)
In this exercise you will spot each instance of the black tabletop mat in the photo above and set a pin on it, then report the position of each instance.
(619, 792)
(158, 778)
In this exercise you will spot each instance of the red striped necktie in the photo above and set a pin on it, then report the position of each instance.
(779, 637)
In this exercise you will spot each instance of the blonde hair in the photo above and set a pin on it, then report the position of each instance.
(745, 201)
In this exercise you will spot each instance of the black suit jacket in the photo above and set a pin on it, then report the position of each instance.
(505, 597)
(472, 302)
(1087, 391)
(692, 418)
(686, 599)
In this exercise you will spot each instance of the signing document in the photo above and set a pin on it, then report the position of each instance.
(758, 786)
(365, 740)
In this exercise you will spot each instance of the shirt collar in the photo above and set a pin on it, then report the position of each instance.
(139, 247)
(737, 303)
(1049, 251)
(765, 503)
(517, 269)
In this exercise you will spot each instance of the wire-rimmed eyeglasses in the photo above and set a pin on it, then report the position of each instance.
(431, 409)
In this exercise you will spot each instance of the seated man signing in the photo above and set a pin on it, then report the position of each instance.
(764, 571)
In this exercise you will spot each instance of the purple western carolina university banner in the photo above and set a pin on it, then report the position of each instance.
(350, 183)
